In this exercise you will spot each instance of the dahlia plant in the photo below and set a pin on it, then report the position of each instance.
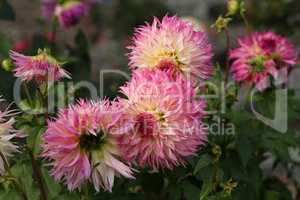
(185, 125)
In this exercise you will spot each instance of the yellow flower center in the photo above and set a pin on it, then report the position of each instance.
(169, 59)
(44, 56)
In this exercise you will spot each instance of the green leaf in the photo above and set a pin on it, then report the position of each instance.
(10, 195)
(54, 187)
(245, 148)
(273, 186)
(204, 161)
(68, 196)
(206, 189)
(35, 106)
(190, 190)
(24, 172)
(244, 192)
(271, 195)
(207, 176)
(6, 11)
(34, 139)
(254, 177)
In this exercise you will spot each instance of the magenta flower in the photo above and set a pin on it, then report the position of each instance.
(165, 117)
(40, 68)
(260, 56)
(82, 147)
(173, 45)
(70, 12)
(279, 49)
(7, 133)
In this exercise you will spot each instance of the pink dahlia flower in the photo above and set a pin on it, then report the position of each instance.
(174, 45)
(259, 56)
(82, 147)
(40, 68)
(166, 120)
(7, 133)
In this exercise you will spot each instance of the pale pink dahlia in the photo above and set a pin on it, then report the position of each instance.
(174, 45)
(166, 120)
(82, 147)
(7, 133)
(40, 68)
(260, 56)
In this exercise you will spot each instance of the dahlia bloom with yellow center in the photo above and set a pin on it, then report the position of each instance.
(174, 45)
(82, 147)
(166, 120)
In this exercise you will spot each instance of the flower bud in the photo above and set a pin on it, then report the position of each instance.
(232, 7)
(221, 23)
(217, 151)
(7, 65)
(229, 186)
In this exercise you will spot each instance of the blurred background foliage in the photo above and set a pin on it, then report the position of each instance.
(228, 167)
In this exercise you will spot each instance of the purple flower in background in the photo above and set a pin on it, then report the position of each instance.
(70, 13)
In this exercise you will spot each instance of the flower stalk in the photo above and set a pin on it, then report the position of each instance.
(38, 175)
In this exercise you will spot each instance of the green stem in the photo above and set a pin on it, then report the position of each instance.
(228, 44)
(14, 179)
(45, 103)
(27, 93)
(248, 27)
(85, 193)
(38, 175)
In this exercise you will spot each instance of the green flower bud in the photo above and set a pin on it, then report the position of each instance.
(7, 65)
(217, 151)
(221, 23)
(233, 7)
(229, 186)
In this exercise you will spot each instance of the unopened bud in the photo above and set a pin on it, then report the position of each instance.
(217, 151)
(221, 23)
(232, 7)
(7, 65)
(229, 186)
